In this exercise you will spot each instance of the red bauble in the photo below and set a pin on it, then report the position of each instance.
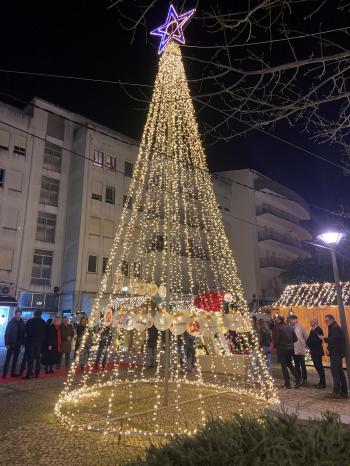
(209, 301)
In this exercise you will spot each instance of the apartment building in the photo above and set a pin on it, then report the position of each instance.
(265, 222)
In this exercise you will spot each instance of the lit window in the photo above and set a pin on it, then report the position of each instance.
(128, 169)
(111, 162)
(98, 158)
(110, 195)
(92, 264)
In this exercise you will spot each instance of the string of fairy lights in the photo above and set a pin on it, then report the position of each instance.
(312, 295)
(172, 236)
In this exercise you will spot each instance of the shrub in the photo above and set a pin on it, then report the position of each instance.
(245, 441)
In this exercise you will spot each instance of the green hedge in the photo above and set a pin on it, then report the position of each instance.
(274, 440)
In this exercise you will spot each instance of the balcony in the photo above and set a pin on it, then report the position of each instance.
(273, 262)
(269, 209)
(279, 237)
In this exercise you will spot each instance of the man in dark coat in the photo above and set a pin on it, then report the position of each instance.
(316, 350)
(14, 339)
(336, 349)
(284, 337)
(35, 333)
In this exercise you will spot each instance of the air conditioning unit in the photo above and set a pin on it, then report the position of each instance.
(6, 289)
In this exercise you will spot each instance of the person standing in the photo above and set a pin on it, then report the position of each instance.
(35, 333)
(264, 335)
(52, 345)
(152, 339)
(67, 335)
(80, 332)
(299, 348)
(316, 351)
(14, 339)
(283, 337)
(336, 349)
(103, 345)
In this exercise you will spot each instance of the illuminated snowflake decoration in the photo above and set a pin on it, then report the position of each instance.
(172, 29)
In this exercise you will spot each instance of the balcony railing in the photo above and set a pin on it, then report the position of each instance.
(279, 237)
(269, 209)
(273, 262)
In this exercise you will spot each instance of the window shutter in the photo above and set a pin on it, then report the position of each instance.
(6, 257)
(14, 180)
(11, 219)
(20, 141)
(4, 139)
(108, 228)
(97, 187)
(94, 226)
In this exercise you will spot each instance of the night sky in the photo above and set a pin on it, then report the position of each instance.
(84, 38)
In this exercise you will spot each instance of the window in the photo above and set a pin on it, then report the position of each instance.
(104, 264)
(10, 221)
(14, 180)
(55, 126)
(125, 268)
(2, 177)
(137, 270)
(6, 256)
(110, 195)
(156, 244)
(98, 158)
(94, 226)
(52, 157)
(128, 169)
(129, 203)
(49, 191)
(92, 264)
(20, 145)
(42, 266)
(96, 190)
(111, 162)
(4, 139)
(45, 230)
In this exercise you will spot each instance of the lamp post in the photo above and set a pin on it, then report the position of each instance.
(332, 239)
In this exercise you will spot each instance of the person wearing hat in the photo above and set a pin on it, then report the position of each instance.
(299, 348)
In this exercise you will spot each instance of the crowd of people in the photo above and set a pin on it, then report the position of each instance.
(48, 343)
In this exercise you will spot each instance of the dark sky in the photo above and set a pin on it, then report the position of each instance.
(84, 38)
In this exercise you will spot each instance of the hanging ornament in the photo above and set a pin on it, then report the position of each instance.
(128, 321)
(208, 327)
(210, 301)
(134, 286)
(118, 282)
(228, 297)
(221, 326)
(178, 324)
(162, 291)
(194, 326)
(108, 316)
(149, 320)
(142, 287)
(140, 322)
(151, 289)
(162, 321)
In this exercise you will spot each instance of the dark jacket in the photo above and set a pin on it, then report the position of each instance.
(283, 337)
(67, 334)
(264, 337)
(335, 340)
(14, 333)
(35, 330)
(314, 343)
(51, 356)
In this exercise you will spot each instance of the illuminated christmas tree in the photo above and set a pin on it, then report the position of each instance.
(157, 360)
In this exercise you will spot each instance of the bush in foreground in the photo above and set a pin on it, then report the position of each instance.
(273, 440)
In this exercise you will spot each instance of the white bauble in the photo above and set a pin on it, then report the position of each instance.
(151, 289)
(162, 291)
(108, 316)
(178, 325)
(128, 321)
(228, 297)
(162, 321)
(140, 322)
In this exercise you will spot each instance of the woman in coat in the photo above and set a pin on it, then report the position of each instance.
(52, 345)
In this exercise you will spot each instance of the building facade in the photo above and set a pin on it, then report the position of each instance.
(63, 184)
(265, 223)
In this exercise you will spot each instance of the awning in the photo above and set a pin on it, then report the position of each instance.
(8, 301)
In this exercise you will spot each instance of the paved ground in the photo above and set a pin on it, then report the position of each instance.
(30, 434)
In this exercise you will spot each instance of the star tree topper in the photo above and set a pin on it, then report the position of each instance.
(172, 29)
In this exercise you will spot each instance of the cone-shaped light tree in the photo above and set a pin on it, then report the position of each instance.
(157, 360)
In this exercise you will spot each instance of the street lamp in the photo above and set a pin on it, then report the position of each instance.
(332, 239)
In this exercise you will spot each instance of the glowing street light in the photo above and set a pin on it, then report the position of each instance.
(331, 239)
